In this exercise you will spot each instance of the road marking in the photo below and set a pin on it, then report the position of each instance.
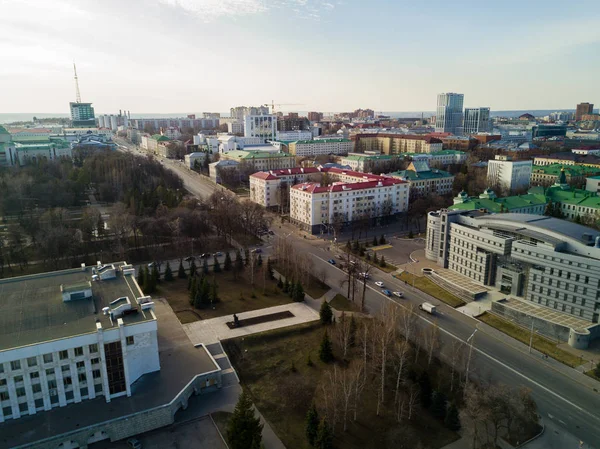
(482, 352)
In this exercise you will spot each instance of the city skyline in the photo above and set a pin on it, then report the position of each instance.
(211, 55)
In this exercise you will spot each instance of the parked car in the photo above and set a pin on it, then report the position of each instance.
(386, 292)
(364, 275)
(151, 264)
(189, 258)
(399, 294)
(331, 261)
(218, 254)
(379, 284)
(204, 255)
(257, 250)
(134, 443)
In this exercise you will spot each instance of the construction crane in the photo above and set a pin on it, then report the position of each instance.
(77, 94)
(281, 104)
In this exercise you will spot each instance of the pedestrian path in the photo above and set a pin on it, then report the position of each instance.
(216, 329)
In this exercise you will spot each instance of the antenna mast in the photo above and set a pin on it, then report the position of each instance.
(77, 94)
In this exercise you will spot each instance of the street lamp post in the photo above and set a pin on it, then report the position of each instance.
(531, 336)
(470, 339)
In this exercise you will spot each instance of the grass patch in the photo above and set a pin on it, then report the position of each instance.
(221, 419)
(431, 288)
(235, 296)
(316, 288)
(591, 374)
(341, 304)
(273, 368)
(540, 343)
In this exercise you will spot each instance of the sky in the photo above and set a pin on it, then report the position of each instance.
(150, 56)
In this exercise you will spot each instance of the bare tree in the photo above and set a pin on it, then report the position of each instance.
(384, 336)
(408, 319)
(432, 341)
(342, 334)
(457, 354)
(358, 370)
(413, 399)
(401, 350)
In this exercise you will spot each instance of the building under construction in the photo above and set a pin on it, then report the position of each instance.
(82, 114)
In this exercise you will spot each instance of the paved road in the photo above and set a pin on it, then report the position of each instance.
(563, 395)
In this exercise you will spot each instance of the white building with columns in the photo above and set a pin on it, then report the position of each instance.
(73, 335)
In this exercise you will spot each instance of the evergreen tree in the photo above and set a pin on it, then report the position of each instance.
(425, 387)
(324, 436)
(597, 370)
(193, 289)
(168, 273)
(280, 283)
(291, 289)
(100, 226)
(147, 281)
(298, 293)
(326, 350)
(368, 257)
(355, 246)
(239, 262)
(382, 240)
(348, 246)
(353, 327)
(259, 260)
(382, 261)
(361, 251)
(325, 313)
(181, 271)
(227, 263)
(375, 261)
(203, 294)
(312, 425)
(193, 268)
(205, 266)
(410, 234)
(244, 430)
(214, 291)
(452, 420)
(155, 276)
(246, 256)
(438, 405)
(549, 209)
(270, 268)
(216, 265)
(190, 279)
(140, 276)
(374, 241)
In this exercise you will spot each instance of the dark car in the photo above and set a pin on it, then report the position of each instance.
(257, 250)
(189, 258)
(218, 253)
(331, 261)
(386, 292)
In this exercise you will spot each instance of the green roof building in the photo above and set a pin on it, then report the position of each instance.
(576, 175)
(261, 160)
(423, 180)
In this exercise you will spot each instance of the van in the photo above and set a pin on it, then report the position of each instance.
(427, 307)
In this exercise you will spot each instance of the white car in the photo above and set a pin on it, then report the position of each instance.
(379, 284)
(398, 294)
(364, 275)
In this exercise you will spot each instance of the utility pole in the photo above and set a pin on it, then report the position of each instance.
(470, 339)
(531, 336)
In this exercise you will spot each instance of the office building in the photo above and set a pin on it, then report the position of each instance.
(303, 148)
(315, 116)
(216, 171)
(155, 124)
(546, 261)
(22, 149)
(260, 160)
(546, 131)
(392, 143)
(82, 115)
(592, 184)
(449, 116)
(354, 196)
(367, 162)
(546, 175)
(291, 136)
(568, 158)
(239, 112)
(261, 126)
(195, 159)
(507, 174)
(477, 120)
(583, 109)
(75, 335)
(423, 180)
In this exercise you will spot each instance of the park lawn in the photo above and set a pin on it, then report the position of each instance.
(235, 296)
(273, 368)
(315, 288)
(540, 343)
(341, 304)
(431, 288)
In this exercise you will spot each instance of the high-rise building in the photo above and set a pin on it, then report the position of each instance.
(82, 115)
(449, 118)
(583, 108)
(239, 112)
(508, 174)
(263, 126)
(315, 116)
(292, 122)
(477, 120)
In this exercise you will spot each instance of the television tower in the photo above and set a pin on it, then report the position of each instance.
(77, 94)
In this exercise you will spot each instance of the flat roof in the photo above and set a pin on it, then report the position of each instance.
(32, 309)
(179, 360)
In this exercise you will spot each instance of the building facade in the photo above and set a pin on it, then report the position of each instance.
(546, 261)
(261, 126)
(423, 180)
(449, 113)
(294, 135)
(96, 336)
(261, 160)
(315, 116)
(82, 115)
(320, 147)
(477, 120)
(508, 174)
(583, 109)
(391, 143)
(575, 174)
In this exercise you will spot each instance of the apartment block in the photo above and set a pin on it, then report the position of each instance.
(320, 147)
(391, 143)
(508, 174)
